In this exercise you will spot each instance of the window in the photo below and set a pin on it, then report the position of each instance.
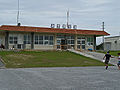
(36, 39)
(70, 40)
(44, 39)
(81, 42)
(27, 39)
(90, 41)
(13, 39)
(58, 42)
(51, 40)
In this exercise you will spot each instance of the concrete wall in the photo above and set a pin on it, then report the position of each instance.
(45, 47)
(114, 43)
(2, 38)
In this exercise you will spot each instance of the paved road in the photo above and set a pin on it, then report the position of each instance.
(72, 78)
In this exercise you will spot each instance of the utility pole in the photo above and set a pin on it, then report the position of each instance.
(103, 28)
(18, 13)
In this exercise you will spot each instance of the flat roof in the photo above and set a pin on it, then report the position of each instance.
(112, 37)
(52, 30)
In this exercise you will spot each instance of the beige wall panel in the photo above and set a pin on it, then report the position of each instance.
(28, 46)
(44, 47)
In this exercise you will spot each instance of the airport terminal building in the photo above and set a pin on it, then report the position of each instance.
(40, 38)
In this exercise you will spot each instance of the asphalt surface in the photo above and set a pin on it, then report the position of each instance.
(70, 78)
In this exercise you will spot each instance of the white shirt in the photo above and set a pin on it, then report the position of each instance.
(118, 58)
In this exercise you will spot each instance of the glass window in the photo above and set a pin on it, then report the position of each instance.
(72, 37)
(11, 42)
(90, 40)
(36, 41)
(72, 41)
(69, 41)
(51, 37)
(46, 42)
(36, 37)
(83, 42)
(78, 37)
(51, 43)
(27, 39)
(58, 42)
(83, 46)
(40, 37)
(78, 46)
(46, 38)
(41, 42)
(13, 39)
(78, 42)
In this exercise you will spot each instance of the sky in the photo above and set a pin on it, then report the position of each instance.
(86, 14)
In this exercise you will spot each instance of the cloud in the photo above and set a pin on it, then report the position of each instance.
(87, 14)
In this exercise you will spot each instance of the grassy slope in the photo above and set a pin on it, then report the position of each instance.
(46, 59)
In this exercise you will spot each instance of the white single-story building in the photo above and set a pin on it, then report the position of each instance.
(26, 37)
(112, 43)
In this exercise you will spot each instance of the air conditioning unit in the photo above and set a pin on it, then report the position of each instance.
(74, 26)
(58, 25)
(64, 26)
(52, 25)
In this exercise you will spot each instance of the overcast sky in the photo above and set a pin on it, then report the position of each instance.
(86, 14)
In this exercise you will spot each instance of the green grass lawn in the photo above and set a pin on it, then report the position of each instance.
(27, 59)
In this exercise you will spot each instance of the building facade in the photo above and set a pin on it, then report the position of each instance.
(112, 43)
(24, 37)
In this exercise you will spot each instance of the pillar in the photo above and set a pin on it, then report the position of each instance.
(32, 40)
(6, 40)
(94, 42)
(75, 42)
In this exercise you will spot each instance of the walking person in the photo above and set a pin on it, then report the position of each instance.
(107, 59)
(118, 61)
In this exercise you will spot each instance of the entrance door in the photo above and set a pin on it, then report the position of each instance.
(63, 44)
(108, 46)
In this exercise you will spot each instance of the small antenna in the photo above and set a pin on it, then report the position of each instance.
(18, 13)
(67, 18)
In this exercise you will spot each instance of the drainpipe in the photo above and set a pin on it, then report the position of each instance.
(94, 42)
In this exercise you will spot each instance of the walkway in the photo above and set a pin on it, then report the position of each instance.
(71, 78)
(95, 55)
